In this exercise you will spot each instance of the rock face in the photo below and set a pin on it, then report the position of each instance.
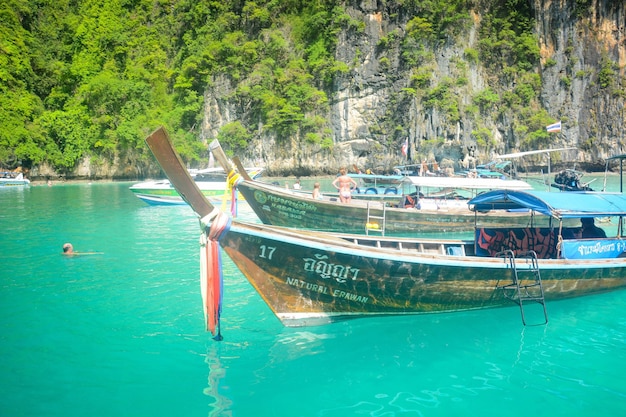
(375, 106)
(585, 87)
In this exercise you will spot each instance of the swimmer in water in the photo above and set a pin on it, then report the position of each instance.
(68, 249)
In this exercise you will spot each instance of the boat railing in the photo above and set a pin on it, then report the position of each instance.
(425, 246)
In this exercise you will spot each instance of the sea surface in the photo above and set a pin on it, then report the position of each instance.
(121, 333)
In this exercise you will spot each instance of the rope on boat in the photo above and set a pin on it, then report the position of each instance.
(232, 180)
(206, 221)
(220, 226)
(212, 279)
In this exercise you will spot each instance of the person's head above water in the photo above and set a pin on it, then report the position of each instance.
(68, 248)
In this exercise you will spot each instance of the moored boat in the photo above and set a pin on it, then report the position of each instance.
(310, 278)
(379, 187)
(404, 216)
(280, 207)
(213, 182)
(493, 169)
(11, 179)
(438, 205)
(570, 180)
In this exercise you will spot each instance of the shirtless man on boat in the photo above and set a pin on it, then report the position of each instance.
(344, 184)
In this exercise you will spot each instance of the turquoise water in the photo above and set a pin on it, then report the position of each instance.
(121, 333)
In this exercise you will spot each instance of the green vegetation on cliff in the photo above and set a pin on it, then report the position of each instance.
(91, 78)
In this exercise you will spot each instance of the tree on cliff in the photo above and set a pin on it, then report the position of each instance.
(89, 79)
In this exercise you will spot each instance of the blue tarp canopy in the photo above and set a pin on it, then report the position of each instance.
(556, 204)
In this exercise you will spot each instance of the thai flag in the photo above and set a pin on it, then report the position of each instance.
(405, 147)
(556, 127)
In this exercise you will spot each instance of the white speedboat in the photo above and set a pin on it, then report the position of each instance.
(213, 182)
(10, 179)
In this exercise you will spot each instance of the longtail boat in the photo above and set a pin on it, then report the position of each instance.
(429, 212)
(280, 207)
(312, 278)
(276, 206)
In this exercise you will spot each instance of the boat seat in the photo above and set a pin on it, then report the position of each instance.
(491, 241)
(456, 250)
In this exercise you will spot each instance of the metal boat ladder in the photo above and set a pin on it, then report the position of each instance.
(526, 281)
(375, 223)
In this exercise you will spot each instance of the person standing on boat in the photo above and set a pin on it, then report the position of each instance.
(590, 230)
(344, 184)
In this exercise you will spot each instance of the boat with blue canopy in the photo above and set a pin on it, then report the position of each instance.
(586, 242)
(310, 277)
(557, 205)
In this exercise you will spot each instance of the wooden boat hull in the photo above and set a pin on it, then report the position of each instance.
(311, 279)
(308, 277)
(279, 207)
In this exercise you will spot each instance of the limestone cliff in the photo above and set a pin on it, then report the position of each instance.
(448, 100)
